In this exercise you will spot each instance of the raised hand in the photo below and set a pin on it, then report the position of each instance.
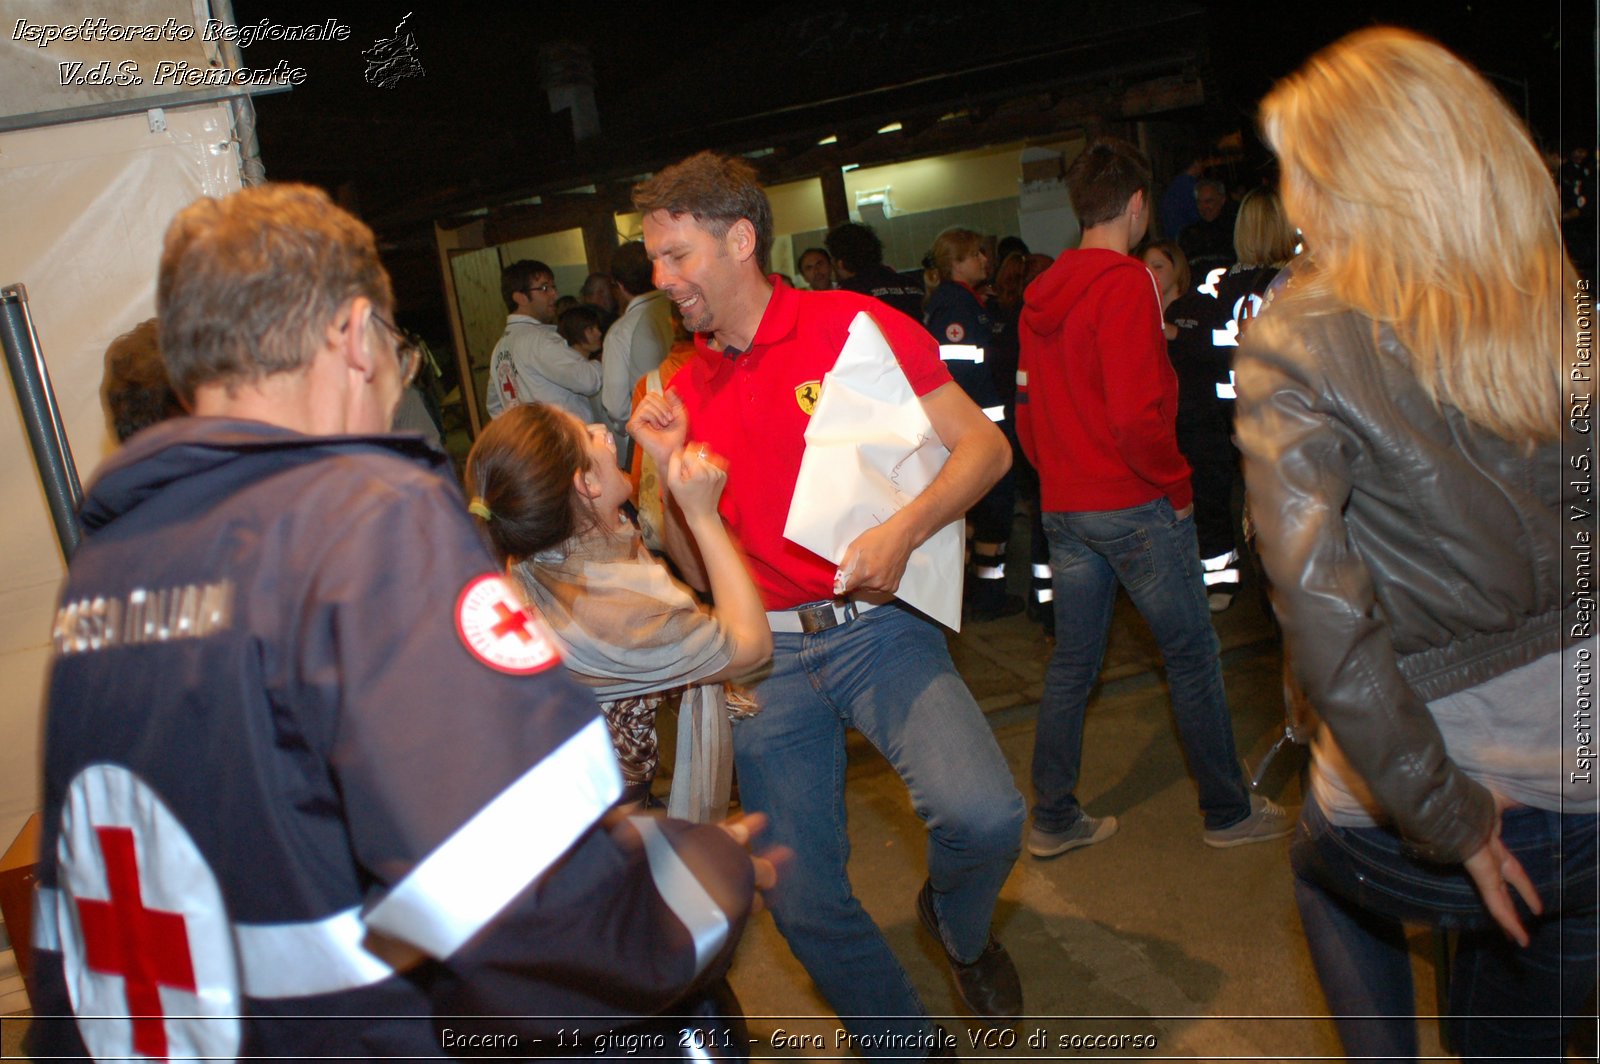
(695, 477)
(660, 425)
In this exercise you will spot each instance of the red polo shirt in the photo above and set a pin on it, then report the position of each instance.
(752, 407)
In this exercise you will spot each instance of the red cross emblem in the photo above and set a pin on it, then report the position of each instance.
(512, 621)
(148, 948)
(500, 631)
(146, 942)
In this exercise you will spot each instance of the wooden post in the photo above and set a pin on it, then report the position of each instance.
(835, 204)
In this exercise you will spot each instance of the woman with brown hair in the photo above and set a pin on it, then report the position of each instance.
(1405, 415)
(548, 492)
(1170, 267)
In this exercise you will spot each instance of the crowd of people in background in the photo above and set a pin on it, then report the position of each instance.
(1135, 402)
(968, 292)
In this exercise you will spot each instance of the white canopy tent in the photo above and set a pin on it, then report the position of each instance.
(90, 176)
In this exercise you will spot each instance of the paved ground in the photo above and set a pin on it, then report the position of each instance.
(1151, 933)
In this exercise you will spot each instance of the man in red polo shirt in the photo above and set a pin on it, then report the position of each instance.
(846, 654)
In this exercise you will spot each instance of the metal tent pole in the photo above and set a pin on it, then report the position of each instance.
(40, 416)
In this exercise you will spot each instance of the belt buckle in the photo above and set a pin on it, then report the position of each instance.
(822, 616)
(817, 618)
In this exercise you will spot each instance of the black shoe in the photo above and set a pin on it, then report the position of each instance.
(1044, 615)
(989, 985)
(1007, 606)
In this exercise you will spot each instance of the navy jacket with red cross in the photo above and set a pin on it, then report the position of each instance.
(309, 758)
(959, 322)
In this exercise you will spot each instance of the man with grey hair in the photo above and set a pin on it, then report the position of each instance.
(1208, 243)
(308, 757)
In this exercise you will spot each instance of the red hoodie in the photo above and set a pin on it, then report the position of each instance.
(1096, 395)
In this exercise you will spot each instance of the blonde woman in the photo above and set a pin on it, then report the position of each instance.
(958, 320)
(1403, 413)
(1209, 324)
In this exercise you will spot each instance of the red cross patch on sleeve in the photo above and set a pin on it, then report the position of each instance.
(502, 631)
(955, 332)
(146, 944)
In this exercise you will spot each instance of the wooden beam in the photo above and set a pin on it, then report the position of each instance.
(1023, 117)
(600, 238)
(558, 211)
(1162, 94)
(835, 204)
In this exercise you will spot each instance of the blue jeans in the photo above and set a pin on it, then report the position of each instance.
(1355, 887)
(889, 675)
(1152, 553)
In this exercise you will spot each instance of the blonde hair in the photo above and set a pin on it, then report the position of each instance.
(951, 246)
(1425, 206)
(1262, 235)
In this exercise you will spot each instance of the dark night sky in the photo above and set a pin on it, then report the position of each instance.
(480, 106)
(479, 122)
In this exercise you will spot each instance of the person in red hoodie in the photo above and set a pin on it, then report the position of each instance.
(1097, 402)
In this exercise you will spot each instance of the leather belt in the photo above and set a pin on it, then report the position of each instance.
(818, 616)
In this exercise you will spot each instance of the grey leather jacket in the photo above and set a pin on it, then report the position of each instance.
(1412, 554)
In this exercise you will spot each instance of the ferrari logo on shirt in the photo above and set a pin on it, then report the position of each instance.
(955, 332)
(807, 395)
(502, 631)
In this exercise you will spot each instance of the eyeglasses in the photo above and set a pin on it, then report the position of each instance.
(407, 349)
(546, 287)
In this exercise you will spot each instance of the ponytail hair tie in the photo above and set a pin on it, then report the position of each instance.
(480, 508)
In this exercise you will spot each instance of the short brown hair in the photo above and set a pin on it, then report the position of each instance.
(854, 246)
(717, 190)
(1104, 177)
(574, 322)
(135, 391)
(518, 277)
(248, 283)
(630, 267)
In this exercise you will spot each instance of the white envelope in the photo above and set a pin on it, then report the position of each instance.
(870, 449)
